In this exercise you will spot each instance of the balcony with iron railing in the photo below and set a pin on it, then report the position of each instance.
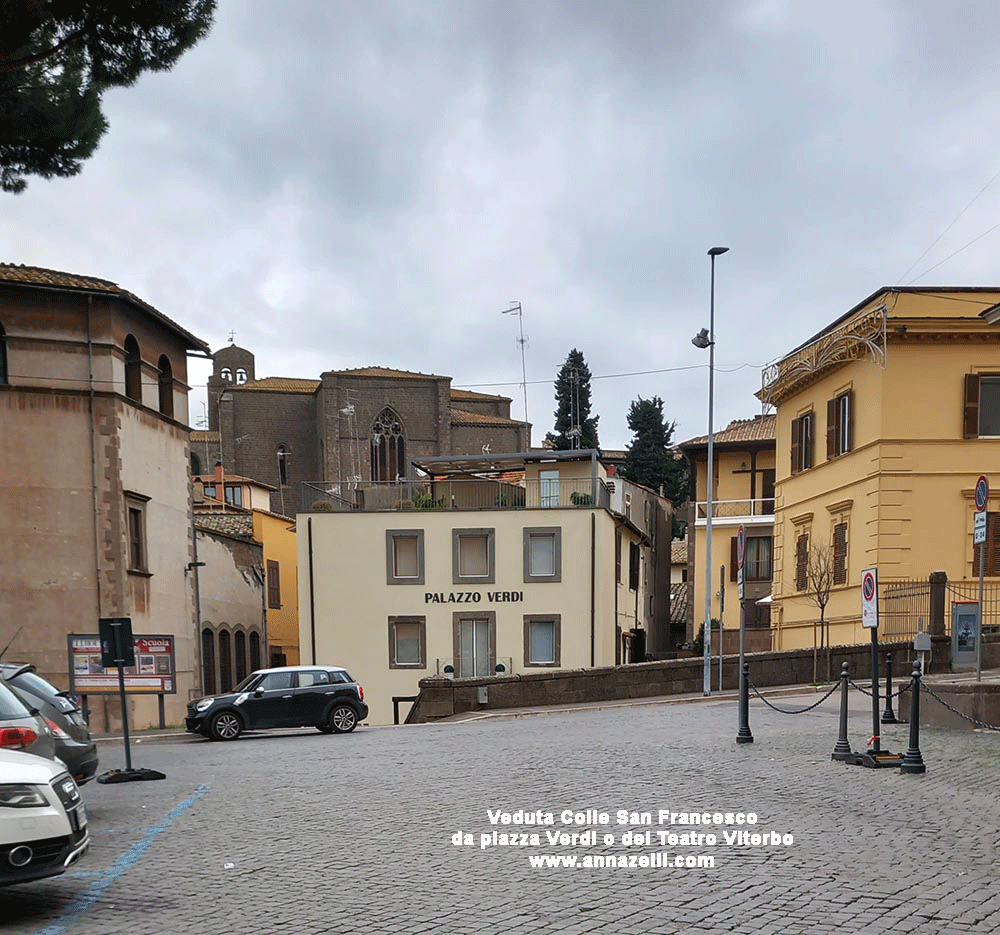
(464, 493)
(758, 511)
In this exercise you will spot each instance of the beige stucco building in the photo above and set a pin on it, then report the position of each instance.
(743, 494)
(498, 564)
(885, 419)
(95, 504)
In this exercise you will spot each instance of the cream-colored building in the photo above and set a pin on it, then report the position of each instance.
(743, 494)
(885, 419)
(494, 565)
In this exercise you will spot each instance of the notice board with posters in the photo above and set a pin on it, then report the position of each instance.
(154, 672)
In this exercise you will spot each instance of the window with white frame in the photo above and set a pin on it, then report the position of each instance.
(542, 640)
(473, 559)
(542, 553)
(404, 556)
(407, 642)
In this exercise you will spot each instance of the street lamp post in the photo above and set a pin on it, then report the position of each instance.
(707, 339)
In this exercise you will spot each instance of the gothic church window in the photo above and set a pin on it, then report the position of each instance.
(387, 447)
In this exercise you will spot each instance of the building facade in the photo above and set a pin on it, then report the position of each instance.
(483, 567)
(96, 500)
(743, 494)
(885, 419)
(344, 428)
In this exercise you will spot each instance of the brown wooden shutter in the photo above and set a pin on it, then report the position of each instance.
(992, 548)
(733, 557)
(840, 553)
(796, 444)
(849, 441)
(831, 429)
(970, 424)
(801, 562)
(273, 585)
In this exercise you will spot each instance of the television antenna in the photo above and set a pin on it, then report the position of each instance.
(515, 309)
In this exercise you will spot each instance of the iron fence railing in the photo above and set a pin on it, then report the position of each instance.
(904, 608)
(454, 494)
(722, 508)
(969, 591)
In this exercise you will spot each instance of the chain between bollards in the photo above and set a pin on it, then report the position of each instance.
(842, 749)
(743, 735)
(913, 762)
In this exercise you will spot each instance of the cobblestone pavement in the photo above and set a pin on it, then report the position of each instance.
(306, 833)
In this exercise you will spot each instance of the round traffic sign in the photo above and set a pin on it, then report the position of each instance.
(982, 492)
(868, 586)
(741, 546)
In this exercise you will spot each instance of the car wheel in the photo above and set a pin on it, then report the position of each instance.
(225, 726)
(343, 719)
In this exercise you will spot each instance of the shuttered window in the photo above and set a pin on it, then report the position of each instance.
(802, 443)
(839, 424)
(840, 553)
(981, 413)
(273, 585)
(802, 562)
(633, 566)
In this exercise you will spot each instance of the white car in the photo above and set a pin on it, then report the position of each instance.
(43, 821)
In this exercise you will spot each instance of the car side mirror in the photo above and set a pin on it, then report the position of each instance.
(259, 693)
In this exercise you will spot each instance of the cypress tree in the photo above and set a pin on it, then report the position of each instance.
(574, 427)
(648, 460)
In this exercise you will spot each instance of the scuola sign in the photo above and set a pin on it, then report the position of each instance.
(472, 597)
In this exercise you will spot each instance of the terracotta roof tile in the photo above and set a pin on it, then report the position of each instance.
(39, 276)
(468, 394)
(239, 525)
(678, 553)
(462, 417)
(199, 435)
(758, 429)
(386, 372)
(278, 385)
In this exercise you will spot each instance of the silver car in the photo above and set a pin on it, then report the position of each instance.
(22, 730)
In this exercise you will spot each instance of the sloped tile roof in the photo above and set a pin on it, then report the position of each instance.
(678, 553)
(462, 417)
(386, 372)
(238, 525)
(758, 429)
(41, 277)
(468, 394)
(278, 385)
(199, 435)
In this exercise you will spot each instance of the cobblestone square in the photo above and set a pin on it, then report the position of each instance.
(305, 833)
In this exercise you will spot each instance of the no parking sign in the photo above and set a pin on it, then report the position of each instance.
(869, 598)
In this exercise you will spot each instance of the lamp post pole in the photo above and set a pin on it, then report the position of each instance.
(713, 253)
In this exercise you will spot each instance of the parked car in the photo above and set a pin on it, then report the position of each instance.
(43, 821)
(20, 729)
(324, 697)
(73, 743)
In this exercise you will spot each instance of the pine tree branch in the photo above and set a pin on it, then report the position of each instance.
(73, 37)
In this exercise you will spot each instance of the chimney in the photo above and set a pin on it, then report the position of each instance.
(218, 473)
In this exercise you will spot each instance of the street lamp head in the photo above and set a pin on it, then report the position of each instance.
(701, 339)
(718, 251)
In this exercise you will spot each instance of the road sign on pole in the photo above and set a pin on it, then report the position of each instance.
(979, 528)
(982, 492)
(869, 598)
(741, 546)
(979, 538)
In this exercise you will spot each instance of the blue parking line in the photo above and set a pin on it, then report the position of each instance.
(85, 902)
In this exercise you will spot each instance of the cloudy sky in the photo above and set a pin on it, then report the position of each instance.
(347, 183)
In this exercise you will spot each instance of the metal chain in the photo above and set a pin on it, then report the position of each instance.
(966, 717)
(865, 691)
(783, 710)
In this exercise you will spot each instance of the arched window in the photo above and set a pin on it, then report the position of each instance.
(241, 375)
(225, 662)
(133, 369)
(240, 652)
(388, 449)
(208, 661)
(3, 355)
(166, 386)
(226, 374)
(254, 651)
(282, 465)
(195, 465)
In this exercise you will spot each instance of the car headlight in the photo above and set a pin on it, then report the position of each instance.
(21, 795)
(204, 704)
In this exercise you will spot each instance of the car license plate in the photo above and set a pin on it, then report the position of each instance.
(78, 817)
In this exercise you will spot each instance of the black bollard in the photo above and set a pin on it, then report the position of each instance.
(842, 750)
(888, 716)
(913, 762)
(743, 735)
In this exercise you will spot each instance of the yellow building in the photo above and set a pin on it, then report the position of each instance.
(277, 535)
(885, 419)
(493, 565)
(743, 492)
